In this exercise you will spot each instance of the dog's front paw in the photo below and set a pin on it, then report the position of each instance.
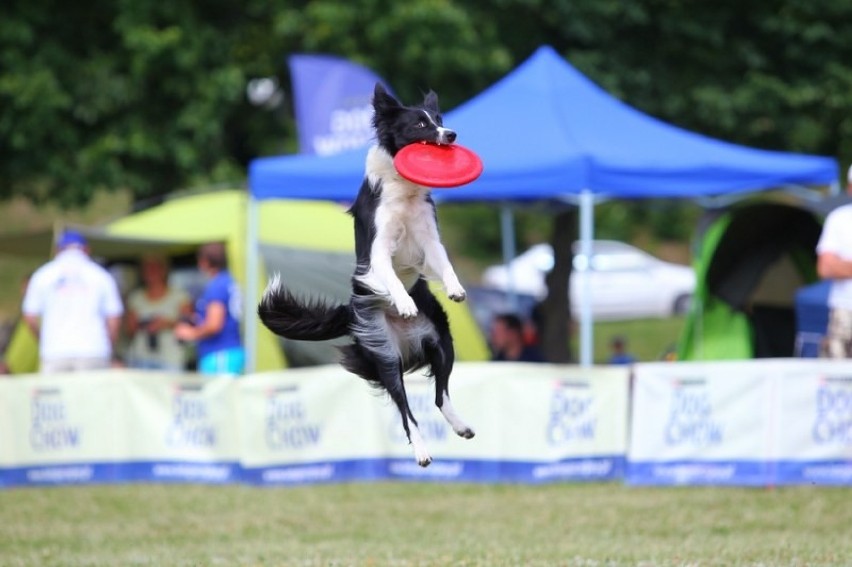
(407, 308)
(457, 294)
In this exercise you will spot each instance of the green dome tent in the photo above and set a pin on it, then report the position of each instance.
(749, 261)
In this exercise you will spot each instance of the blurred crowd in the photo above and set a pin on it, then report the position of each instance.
(74, 316)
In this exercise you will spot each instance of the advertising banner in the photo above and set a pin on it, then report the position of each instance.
(56, 430)
(333, 103)
(534, 423)
(759, 422)
(812, 425)
(178, 428)
(308, 425)
(700, 423)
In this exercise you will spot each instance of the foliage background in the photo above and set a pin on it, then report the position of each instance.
(149, 96)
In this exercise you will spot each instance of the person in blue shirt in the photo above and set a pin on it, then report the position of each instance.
(619, 352)
(216, 323)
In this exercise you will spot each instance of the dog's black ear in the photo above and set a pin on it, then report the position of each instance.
(382, 100)
(430, 102)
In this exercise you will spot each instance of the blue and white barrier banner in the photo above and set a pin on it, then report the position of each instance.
(698, 423)
(117, 426)
(534, 423)
(307, 425)
(812, 424)
(180, 428)
(56, 430)
(756, 422)
(761, 422)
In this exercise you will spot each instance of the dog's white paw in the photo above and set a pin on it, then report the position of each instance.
(420, 452)
(456, 293)
(466, 432)
(424, 460)
(406, 307)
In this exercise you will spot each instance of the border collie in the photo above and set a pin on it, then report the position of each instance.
(395, 323)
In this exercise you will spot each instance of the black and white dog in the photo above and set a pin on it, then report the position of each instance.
(395, 322)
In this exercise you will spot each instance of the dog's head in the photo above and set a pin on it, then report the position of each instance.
(397, 125)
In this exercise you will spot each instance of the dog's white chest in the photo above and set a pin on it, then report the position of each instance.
(407, 224)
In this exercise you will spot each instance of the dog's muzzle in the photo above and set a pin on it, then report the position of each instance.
(445, 136)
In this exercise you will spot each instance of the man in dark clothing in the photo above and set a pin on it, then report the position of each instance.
(507, 341)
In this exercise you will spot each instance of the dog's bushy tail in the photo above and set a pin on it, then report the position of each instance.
(301, 319)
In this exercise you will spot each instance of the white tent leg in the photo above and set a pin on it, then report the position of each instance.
(587, 231)
(507, 233)
(252, 265)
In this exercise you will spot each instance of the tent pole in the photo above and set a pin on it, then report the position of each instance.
(587, 230)
(507, 233)
(250, 314)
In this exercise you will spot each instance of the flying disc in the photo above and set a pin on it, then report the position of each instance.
(436, 165)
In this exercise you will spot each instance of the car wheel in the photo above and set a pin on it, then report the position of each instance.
(682, 304)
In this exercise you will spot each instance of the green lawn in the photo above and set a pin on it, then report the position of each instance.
(425, 524)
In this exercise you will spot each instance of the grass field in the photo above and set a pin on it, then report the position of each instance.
(425, 524)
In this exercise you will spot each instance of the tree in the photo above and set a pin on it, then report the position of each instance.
(121, 94)
(148, 95)
(556, 308)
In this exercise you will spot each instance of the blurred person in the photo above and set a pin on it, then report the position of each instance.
(215, 326)
(152, 313)
(620, 355)
(74, 308)
(834, 262)
(508, 343)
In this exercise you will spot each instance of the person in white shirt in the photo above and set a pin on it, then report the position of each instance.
(74, 307)
(834, 262)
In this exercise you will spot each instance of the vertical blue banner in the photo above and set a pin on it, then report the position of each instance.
(332, 99)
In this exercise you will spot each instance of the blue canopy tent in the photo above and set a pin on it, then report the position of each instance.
(546, 132)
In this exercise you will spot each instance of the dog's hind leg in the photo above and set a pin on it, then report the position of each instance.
(387, 375)
(441, 358)
(392, 379)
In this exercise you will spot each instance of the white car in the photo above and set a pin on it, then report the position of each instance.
(625, 282)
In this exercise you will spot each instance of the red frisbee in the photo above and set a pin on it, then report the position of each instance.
(436, 165)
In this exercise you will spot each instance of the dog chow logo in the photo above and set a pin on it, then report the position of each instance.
(572, 415)
(51, 428)
(691, 420)
(288, 426)
(190, 426)
(430, 422)
(833, 423)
